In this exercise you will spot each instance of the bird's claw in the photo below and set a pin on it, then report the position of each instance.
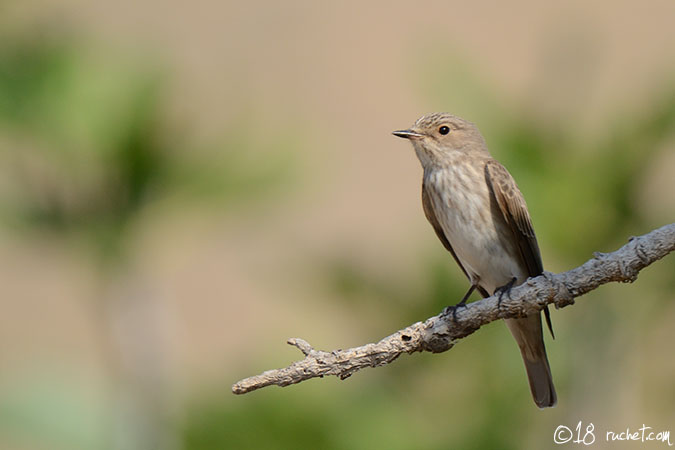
(453, 309)
(506, 289)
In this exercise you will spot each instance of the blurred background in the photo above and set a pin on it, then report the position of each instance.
(185, 185)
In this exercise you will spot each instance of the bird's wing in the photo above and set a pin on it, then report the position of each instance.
(514, 210)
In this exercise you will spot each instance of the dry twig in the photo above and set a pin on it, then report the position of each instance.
(441, 332)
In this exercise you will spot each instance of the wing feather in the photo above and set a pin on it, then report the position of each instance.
(514, 211)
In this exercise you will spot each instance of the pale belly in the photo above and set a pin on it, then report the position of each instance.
(468, 223)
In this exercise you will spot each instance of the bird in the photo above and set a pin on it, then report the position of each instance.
(481, 218)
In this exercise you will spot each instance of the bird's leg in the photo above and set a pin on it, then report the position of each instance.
(462, 302)
(506, 289)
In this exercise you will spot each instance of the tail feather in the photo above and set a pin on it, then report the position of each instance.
(528, 335)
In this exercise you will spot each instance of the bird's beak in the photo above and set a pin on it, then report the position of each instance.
(408, 134)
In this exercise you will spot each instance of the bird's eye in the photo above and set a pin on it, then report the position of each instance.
(444, 130)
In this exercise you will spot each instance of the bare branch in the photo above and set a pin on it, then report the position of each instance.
(441, 332)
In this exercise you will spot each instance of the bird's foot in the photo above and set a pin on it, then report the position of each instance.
(506, 289)
(453, 309)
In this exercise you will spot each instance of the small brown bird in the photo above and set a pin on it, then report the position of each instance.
(481, 218)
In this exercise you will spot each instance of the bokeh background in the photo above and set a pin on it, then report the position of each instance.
(185, 185)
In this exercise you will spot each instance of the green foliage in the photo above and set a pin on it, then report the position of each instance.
(51, 411)
(260, 423)
(89, 147)
(357, 285)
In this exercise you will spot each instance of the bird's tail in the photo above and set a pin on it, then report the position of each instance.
(528, 335)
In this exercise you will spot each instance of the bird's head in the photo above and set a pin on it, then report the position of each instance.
(441, 138)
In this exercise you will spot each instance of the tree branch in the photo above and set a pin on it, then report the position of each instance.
(441, 332)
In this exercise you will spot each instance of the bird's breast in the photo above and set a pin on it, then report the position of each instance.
(461, 201)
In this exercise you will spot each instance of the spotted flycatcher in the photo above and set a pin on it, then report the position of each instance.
(481, 218)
